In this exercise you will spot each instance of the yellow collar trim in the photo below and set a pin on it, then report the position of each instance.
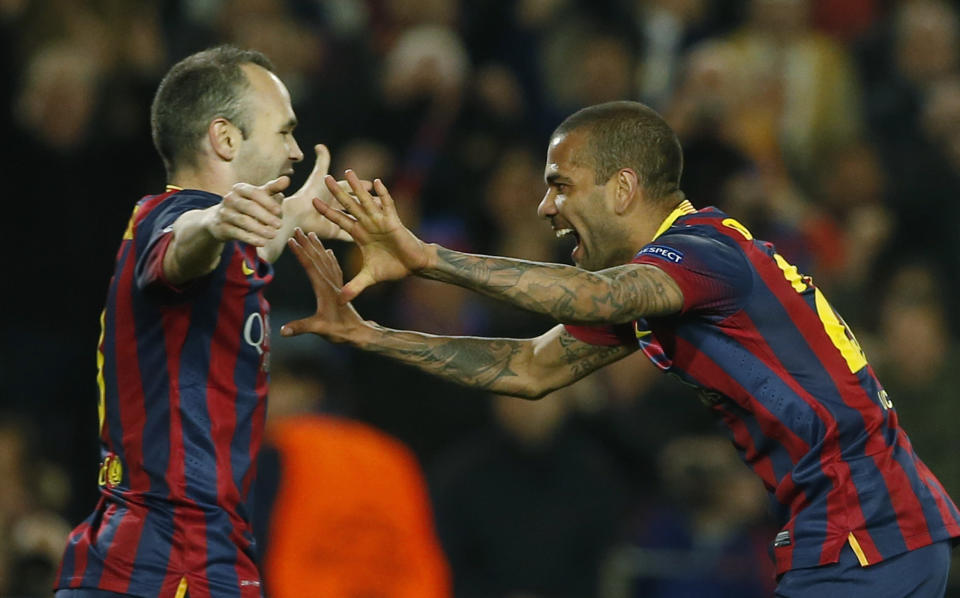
(174, 188)
(683, 209)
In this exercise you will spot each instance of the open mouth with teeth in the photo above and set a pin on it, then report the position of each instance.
(569, 233)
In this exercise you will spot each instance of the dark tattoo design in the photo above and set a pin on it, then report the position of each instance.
(476, 362)
(496, 364)
(567, 293)
(583, 358)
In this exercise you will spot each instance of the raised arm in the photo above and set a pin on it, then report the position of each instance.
(566, 293)
(247, 213)
(527, 368)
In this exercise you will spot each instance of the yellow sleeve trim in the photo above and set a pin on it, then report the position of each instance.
(857, 550)
(182, 588)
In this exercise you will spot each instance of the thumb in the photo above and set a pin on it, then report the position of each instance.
(314, 186)
(295, 328)
(356, 286)
(322, 165)
(277, 185)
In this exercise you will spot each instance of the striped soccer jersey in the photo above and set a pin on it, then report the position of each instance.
(182, 397)
(787, 377)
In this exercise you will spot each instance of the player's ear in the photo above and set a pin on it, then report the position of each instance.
(627, 190)
(224, 138)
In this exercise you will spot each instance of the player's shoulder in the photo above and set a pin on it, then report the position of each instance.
(171, 203)
(701, 241)
(704, 231)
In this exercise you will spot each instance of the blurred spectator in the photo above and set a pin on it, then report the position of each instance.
(604, 71)
(702, 112)
(343, 508)
(708, 537)
(801, 86)
(850, 225)
(60, 94)
(667, 29)
(33, 532)
(917, 361)
(528, 507)
(509, 198)
(423, 82)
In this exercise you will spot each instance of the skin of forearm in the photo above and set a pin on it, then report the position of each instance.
(526, 368)
(495, 365)
(193, 251)
(566, 293)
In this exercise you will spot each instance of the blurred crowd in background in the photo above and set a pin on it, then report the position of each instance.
(829, 127)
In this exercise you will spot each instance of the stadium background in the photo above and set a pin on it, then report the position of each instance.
(831, 127)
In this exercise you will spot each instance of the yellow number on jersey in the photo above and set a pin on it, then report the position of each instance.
(838, 331)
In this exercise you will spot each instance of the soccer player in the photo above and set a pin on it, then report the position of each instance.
(184, 348)
(703, 300)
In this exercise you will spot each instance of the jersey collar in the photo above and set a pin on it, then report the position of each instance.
(683, 209)
(173, 188)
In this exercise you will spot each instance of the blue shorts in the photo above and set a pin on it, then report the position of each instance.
(920, 573)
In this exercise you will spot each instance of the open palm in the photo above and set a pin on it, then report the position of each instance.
(333, 318)
(390, 251)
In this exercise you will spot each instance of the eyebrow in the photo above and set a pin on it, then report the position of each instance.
(554, 178)
(290, 124)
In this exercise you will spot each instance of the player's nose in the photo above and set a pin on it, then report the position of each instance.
(295, 154)
(547, 207)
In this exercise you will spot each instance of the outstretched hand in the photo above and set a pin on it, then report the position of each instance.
(390, 251)
(334, 319)
(314, 188)
(248, 213)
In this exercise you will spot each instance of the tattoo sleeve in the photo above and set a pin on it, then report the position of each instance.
(566, 293)
(520, 367)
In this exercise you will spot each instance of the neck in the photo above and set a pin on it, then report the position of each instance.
(672, 208)
(209, 180)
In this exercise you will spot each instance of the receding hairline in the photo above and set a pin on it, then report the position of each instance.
(179, 102)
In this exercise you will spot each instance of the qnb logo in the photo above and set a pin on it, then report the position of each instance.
(255, 332)
(661, 251)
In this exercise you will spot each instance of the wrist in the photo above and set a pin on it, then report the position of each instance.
(431, 252)
(364, 335)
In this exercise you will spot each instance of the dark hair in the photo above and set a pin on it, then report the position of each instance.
(201, 87)
(629, 135)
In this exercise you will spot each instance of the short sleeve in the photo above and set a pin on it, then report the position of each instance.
(154, 232)
(713, 274)
(603, 335)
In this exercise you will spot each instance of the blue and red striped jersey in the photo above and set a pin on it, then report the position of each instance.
(804, 408)
(182, 377)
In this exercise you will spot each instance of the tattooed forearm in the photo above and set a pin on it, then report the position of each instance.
(489, 364)
(567, 293)
(582, 358)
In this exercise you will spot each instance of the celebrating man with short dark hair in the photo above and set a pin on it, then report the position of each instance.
(184, 348)
(703, 300)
